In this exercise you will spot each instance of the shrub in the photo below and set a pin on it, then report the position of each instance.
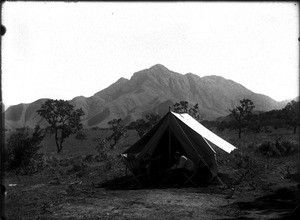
(22, 150)
(277, 149)
(265, 149)
(242, 159)
(101, 148)
(290, 147)
(280, 147)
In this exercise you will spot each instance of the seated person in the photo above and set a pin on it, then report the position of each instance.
(183, 165)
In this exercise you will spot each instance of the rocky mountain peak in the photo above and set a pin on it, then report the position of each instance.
(159, 68)
(153, 90)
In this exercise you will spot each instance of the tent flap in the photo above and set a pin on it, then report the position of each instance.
(203, 131)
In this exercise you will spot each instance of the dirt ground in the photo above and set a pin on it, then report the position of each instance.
(42, 197)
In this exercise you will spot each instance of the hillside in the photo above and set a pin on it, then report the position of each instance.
(151, 90)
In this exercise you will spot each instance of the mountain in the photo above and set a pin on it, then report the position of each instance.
(151, 90)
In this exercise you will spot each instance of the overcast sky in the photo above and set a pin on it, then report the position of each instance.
(63, 50)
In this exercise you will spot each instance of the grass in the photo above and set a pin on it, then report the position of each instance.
(73, 147)
(251, 138)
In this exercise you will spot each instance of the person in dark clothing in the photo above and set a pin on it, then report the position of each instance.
(183, 166)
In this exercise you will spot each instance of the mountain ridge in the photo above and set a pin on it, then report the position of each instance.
(151, 90)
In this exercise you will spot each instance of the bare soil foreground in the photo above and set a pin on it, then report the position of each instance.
(37, 197)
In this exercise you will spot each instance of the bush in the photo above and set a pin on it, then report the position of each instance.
(277, 149)
(22, 150)
(267, 149)
(101, 148)
(290, 147)
(242, 159)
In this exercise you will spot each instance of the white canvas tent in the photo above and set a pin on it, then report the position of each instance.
(180, 132)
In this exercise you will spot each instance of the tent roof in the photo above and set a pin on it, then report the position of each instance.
(203, 131)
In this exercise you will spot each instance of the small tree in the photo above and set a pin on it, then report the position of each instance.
(291, 114)
(152, 119)
(183, 107)
(63, 119)
(118, 129)
(101, 148)
(142, 126)
(242, 114)
(22, 148)
(194, 112)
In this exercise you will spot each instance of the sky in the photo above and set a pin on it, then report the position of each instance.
(61, 50)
